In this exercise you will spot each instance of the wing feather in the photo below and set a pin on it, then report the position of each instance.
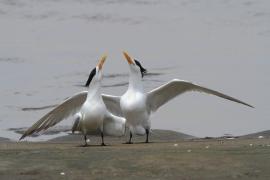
(161, 95)
(62, 111)
(114, 125)
(70, 107)
(113, 104)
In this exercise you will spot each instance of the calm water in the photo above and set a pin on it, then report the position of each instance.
(47, 49)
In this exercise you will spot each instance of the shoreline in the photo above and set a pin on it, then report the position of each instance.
(158, 135)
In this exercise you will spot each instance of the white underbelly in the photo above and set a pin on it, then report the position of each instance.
(92, 118)
(138, 130)
(134, 109)
(136, 117)
(137, 122)
(91, 124)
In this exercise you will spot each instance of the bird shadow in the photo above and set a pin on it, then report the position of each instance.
(91, 145)
(138, 143)
(145, 142)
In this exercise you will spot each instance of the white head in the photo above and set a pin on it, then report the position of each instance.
(136, 73)
(95, 75)
(135, 66)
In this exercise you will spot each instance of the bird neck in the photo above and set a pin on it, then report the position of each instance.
(135, 82)
(94, 91)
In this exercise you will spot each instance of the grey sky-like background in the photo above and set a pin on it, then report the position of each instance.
(47, 49)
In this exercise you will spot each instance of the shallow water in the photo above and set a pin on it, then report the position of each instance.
(47, 49)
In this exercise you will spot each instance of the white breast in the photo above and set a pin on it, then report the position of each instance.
(93, 115)
(133, 105)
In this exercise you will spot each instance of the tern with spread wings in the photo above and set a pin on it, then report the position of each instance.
(90, 112)
(136, 105)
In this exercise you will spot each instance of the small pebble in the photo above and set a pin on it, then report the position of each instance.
(175, 145)
(62, 173)
(189, 151)
(260, 137)
(250, 145)
(206, 147)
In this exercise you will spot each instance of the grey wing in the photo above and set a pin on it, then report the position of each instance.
(112, 104)
(173, 88)
(114, 125)
(62, 111)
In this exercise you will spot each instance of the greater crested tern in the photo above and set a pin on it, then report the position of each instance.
(90, 111)
(136, 105)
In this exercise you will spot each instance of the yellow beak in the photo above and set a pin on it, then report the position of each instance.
(101, 61)
(128, 58)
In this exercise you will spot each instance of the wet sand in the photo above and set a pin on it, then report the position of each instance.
(181, 159)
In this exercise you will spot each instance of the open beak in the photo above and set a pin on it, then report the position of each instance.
(128, 58)
(101, 61)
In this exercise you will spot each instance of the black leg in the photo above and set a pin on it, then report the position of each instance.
(130, 137)
(85, 141)
(147, 135)
(102, 138)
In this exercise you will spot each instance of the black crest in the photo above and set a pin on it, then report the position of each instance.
(143, 70)
(91, 75)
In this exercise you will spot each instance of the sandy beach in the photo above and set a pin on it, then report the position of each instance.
(181, 159)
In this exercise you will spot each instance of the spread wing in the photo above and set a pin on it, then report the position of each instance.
(62, 111)
(113, 104)
(173, 88)
(70, 107)
(114, 125)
